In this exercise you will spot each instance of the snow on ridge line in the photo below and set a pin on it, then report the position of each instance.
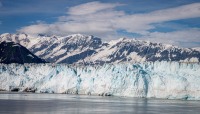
(170, 80)
(51, 48)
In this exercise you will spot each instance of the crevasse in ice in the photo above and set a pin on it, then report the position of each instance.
(171, 80)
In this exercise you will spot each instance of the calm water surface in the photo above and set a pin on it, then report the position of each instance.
(79, 104)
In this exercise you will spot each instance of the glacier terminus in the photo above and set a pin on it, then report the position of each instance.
(168, 80)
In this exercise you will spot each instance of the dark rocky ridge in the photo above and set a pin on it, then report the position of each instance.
(11, 52)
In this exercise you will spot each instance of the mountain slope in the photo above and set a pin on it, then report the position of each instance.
(11, 52)
(197, 48)
(83, 49)
(137, 51)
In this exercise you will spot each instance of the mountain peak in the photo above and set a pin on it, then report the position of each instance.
(12, 52)
(77, 35)
(79, 49)
(5, 35)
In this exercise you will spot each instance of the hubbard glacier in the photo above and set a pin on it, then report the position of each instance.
(100, 57)
(168, 80)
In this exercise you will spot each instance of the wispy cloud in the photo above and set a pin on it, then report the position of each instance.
(104, 20)
(91, 8)
(142, 22)
(90, 18)
(185, 38)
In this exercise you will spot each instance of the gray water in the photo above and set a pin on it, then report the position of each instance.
(79, 104)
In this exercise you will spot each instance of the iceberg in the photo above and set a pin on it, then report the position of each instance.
(168, 80)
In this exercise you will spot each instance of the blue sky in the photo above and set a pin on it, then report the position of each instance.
(175, 22)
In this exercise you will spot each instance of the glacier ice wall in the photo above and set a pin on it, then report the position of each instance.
(171, 80)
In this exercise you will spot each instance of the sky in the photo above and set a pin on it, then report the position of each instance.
(175, 22)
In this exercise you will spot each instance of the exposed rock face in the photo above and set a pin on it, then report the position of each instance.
(11, 52)
(83, 49)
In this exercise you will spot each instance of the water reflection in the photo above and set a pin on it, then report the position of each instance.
(79, 104)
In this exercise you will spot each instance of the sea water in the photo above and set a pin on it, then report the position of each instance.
(31, 103)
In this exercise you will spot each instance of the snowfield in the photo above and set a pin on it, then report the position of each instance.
(169, 80)
(88, 50)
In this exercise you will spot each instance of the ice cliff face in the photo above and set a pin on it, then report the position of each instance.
(84, 49)
(169, 80)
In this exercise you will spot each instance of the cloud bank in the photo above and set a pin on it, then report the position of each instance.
(102, 19)
(184, 38)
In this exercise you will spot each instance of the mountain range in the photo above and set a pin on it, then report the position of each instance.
(88, 49)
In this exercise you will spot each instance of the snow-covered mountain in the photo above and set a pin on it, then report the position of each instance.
(84, 49)
(197, 48)
(11, 52)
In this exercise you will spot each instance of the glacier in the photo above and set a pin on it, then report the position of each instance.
(168, 80)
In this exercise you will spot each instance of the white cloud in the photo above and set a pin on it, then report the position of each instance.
(184, 38)
(142, 22)
(96, 20)
(103, 20)
(36, 29)
(91, 7)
